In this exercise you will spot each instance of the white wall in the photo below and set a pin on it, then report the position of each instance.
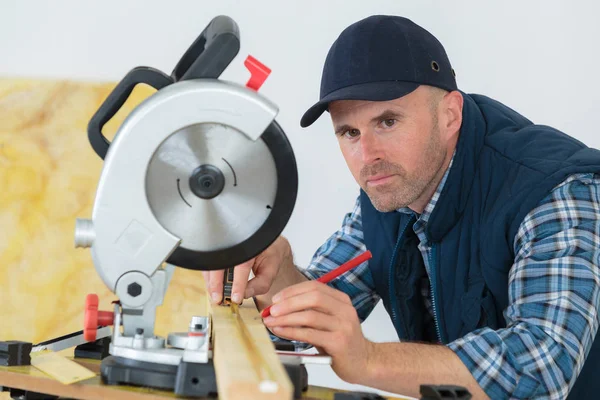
(539, 57)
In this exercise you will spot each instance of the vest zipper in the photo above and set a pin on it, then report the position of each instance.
(432, 267)
(393, 304)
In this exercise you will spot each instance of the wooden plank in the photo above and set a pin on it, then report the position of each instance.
(246, 364)
(32, 379)
(60, 368)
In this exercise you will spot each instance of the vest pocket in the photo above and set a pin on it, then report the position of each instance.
(488, 312)
(478, 309)
(471, 311)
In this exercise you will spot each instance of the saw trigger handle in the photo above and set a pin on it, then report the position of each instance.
(211, 52)
(117, 98)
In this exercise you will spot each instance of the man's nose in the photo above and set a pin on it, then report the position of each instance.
(370, 148)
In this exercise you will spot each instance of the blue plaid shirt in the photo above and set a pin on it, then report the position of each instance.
(554, 291)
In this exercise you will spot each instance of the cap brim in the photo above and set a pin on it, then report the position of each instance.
(372, 91)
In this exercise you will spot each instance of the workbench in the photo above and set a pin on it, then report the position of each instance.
(29, 378)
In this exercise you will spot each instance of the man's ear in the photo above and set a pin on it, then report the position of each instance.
(452, 113)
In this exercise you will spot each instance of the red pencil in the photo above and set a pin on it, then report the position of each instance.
(331, 275)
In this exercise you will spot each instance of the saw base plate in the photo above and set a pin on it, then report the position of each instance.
(186, 379)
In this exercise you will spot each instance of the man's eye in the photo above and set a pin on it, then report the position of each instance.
(388, 122)
(352, 133)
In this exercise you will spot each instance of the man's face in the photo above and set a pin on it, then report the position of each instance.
(393, 148)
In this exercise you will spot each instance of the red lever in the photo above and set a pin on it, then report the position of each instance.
(258, 71)
(94, 318)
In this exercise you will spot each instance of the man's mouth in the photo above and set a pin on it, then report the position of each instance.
(377, 180)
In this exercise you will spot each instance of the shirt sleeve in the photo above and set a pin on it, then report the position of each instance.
(552, 316)
(342, 246)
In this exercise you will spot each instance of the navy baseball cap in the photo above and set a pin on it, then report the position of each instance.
(381, 58)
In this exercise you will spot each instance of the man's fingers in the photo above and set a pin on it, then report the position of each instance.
(307, 319)
(315, 337)
(240, 280)
(215, 286)
(264, 275)
(316, 299)
(311, 286)
(206, 275)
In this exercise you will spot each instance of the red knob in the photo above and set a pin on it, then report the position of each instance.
(94, 318)
(258, 73)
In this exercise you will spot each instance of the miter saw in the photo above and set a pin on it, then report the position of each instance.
(199, 176)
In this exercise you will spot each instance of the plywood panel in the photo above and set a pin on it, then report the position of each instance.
(48, 177)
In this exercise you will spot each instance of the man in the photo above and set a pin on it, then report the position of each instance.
(484, 229)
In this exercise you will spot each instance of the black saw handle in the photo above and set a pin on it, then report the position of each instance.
(207, 57)
(211, 52)
(117, 98)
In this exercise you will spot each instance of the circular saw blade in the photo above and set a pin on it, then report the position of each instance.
(237, 212)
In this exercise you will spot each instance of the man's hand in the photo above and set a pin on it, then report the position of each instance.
(267, 267)
(315, 313)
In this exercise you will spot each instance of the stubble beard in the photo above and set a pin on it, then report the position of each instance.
(404, 189)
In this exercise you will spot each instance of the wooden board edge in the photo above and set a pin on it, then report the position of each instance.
(235, 366)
